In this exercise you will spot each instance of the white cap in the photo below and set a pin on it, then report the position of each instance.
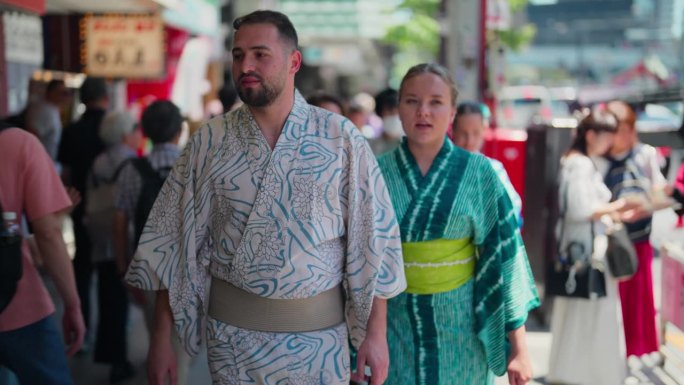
(9, 216)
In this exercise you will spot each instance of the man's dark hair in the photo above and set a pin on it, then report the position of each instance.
(385, 100)
(319, 98)
(161, 121)
(285, 28)
(53, 85)
(93, 90)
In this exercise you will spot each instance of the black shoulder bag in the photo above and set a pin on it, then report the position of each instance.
(571, 273)
(10, 261)
(621, 255)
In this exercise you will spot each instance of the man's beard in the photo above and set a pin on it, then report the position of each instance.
(259, 97)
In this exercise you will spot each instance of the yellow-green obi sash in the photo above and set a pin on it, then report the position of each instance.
(438, 265)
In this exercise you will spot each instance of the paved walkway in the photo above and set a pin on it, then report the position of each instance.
(539, 340)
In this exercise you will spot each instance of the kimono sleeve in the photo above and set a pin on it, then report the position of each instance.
(171, 253)
(374, 265)
(504, 287)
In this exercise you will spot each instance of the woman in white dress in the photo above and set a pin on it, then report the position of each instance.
(588, 342)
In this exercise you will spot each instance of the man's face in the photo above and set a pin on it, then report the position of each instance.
(59, 95)
(624, 138)
(264, 64)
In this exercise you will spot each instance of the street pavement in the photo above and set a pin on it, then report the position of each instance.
(539, 337)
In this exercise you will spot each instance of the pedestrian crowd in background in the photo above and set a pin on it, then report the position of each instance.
(375, 230)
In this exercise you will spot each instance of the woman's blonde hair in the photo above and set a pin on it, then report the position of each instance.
(435, 69)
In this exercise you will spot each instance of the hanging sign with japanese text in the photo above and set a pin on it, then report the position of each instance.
(23, 38)
(130, 46)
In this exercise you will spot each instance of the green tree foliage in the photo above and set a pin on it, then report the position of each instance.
(520, 36)
(417, 39)
(517, 38)
(421, 30)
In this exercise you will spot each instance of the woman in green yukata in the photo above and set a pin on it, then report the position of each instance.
(470, 288)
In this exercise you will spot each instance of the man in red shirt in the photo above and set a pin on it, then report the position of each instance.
(30, 343)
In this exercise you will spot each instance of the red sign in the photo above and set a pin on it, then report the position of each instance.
(36, 6)
(672, 307)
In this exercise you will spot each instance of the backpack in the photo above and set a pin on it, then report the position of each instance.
(152, 182)
(18, 120)
(99, 212)
(11, 269)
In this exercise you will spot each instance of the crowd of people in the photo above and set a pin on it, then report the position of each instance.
(298, 250)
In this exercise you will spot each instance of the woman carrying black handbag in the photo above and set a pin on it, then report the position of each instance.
(588, 346)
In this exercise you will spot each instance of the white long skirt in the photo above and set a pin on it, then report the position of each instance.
(588, 345)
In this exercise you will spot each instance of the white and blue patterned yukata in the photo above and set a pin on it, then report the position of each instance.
(288, 223)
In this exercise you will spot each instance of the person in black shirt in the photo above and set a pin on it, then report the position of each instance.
(78, 149)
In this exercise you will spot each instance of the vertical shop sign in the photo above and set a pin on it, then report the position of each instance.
(130, 46)
(23, 38)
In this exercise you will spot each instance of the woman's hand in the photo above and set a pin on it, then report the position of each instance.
(519, 365)
(633, 215)
(519, 369)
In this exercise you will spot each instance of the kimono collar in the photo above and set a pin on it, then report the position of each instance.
(298, 115)
(412, 165)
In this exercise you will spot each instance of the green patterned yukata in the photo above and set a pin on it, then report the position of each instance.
(458, 331)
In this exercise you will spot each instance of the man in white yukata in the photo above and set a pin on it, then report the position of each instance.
(274, 232)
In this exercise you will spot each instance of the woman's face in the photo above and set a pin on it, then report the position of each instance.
(426, 109)
(469, 132)
(599, 143)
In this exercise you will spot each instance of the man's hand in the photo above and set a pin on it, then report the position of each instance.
(75, 197)
(519, 369)
(47, 232)
(161, 361)
(375, 354)
(73, 328)
(138, 295)
(373, 351)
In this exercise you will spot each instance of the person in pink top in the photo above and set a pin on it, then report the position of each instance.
(678, 193)
(30, 343)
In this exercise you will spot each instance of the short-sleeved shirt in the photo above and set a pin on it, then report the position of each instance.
(30, 186)
(79, 147)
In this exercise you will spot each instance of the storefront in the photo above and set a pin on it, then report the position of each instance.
(21, 51)
(193, 47)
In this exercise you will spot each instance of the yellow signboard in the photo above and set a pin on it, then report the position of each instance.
(130, 46)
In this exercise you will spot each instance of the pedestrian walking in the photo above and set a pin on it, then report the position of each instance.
(273, 232)
(470, 288)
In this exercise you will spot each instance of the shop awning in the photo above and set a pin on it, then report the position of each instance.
(35, 6)
(100, 6)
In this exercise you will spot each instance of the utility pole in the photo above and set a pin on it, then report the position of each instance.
(463, 46)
